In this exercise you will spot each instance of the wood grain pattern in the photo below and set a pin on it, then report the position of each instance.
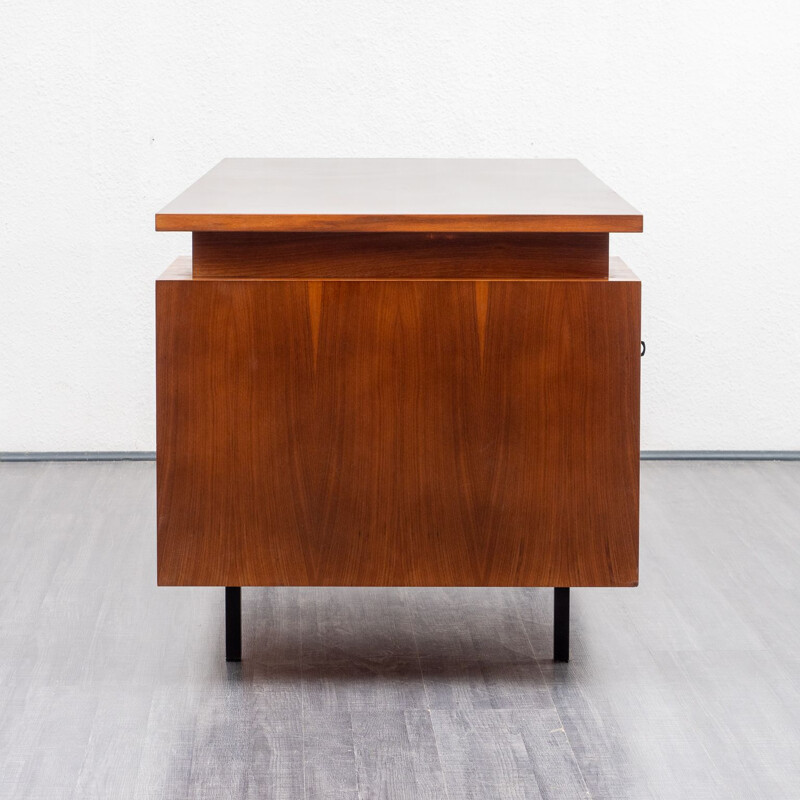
(399, 255)
(396, 754)
(405, 223)
(399, 194)
(382, 449)
(526, 752)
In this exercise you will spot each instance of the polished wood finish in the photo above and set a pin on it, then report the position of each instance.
(400, 195)
(399, 255)
(398, 432)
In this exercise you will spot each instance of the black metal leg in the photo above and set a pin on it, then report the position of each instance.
(561, 624)
(233, 623)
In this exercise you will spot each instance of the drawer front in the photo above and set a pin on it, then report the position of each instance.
(393, 432)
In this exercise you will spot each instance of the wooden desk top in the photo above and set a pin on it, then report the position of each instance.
(399, 194)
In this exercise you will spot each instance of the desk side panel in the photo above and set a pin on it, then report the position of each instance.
(378, 433)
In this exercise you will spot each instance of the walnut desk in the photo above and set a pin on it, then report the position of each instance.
(398, 372)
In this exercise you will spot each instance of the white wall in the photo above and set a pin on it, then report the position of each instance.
(688, 109)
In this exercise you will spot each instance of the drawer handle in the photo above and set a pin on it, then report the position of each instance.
(643, 348)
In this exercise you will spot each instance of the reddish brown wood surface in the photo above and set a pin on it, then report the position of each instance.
(367, 432)
(399, 255)
(405, 223)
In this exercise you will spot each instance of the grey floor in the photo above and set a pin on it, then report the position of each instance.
(687, 687)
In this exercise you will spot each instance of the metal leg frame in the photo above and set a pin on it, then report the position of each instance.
(561, 624)
(233, 623)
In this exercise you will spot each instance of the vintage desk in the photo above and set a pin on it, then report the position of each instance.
(398, 372)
